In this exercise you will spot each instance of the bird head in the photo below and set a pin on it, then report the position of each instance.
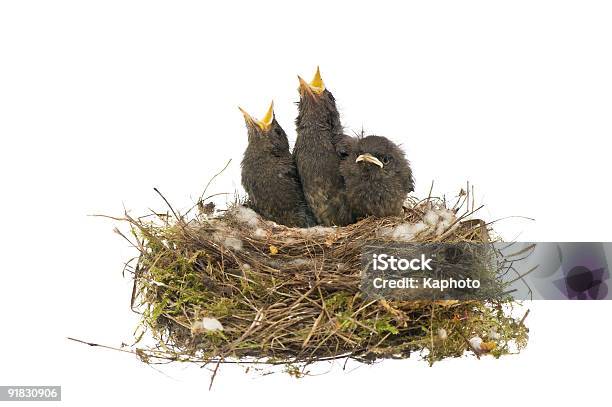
(315, 88)
(377, 160)
(267, 131)
(317, 105)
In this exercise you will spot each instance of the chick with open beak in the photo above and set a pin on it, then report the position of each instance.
(376, 175)
(318, 131)
(269, 175)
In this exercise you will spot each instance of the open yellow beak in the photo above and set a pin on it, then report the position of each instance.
(264, 123)
(316, 85)
(370, 159)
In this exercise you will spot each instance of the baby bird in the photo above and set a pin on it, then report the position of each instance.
(269, 175)
(318, 131)
(376, 175)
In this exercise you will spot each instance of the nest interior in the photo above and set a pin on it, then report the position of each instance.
(280, 295)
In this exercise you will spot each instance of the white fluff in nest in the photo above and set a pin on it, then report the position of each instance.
(233, 243)
(439, 220)
(225, 238)
(260, 233)
(206, 324)
(246, 215)
(211, 324)
(403, 231)
(442, 334)
(431, 217)
(494, 335)
(317, 231)
(475, 343)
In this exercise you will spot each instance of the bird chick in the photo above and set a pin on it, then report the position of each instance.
(376, 175)
(318, 131)
(269, 174)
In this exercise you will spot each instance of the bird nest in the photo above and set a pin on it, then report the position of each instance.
(229, 287)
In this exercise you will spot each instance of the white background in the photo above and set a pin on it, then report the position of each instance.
(102, 101)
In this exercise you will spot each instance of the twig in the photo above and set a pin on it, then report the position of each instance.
(212, 378)
(168, 203)
(522, 322)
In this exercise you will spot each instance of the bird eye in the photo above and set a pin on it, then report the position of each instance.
(343, 154)
(386, 159)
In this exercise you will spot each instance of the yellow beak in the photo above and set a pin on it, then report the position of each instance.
(370, 159)
(316, 85)
(264, 123)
